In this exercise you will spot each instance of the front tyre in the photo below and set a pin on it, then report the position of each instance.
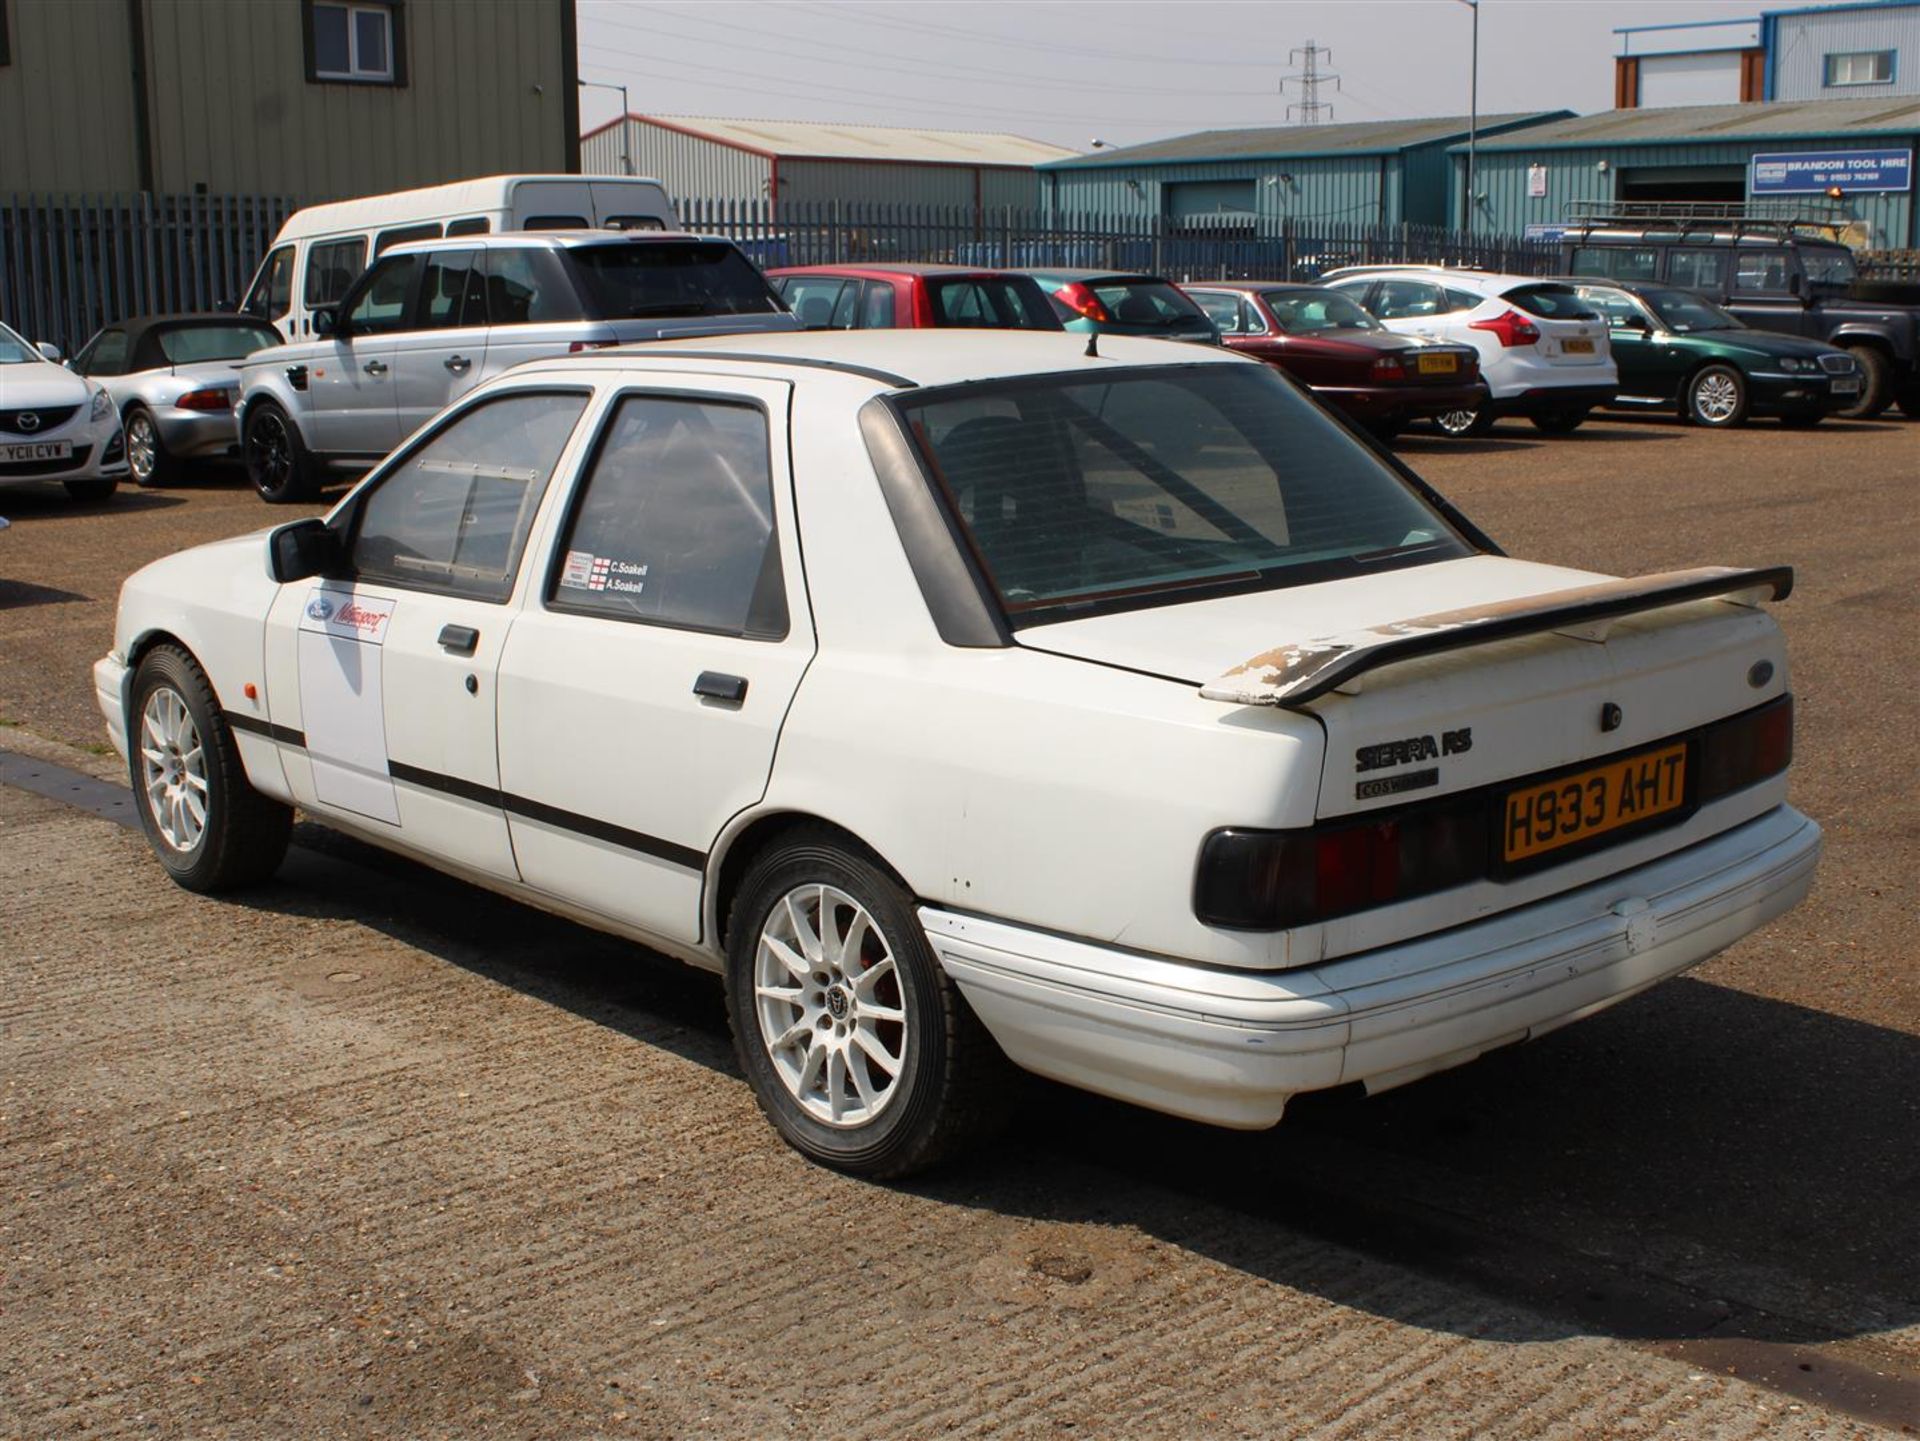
(857, 1046)
(1876, 382)
(1717, 398)
(147, 458)
(210, 828)
(1463, 423)
(277, 460)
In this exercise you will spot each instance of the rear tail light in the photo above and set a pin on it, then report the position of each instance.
(1082, 301)
(205, 400)
(580, 345)
(1275, 880)
(1511, 329)
(1388, 367)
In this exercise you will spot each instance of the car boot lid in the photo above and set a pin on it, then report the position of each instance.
(1296, 673)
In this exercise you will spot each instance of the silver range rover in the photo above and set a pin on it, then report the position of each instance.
(430, 320)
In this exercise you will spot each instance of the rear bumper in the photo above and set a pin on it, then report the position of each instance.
(191, 434)
(1231, 1047)
(1403, 402)
(1543, 398)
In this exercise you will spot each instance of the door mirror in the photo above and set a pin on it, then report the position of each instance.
(325, 322)
(49, 351)
(1639, 324)
(305, 549)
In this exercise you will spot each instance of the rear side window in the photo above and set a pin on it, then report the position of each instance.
(1617, 261)
(876, 310)
(527, 286)
(387, 239)
(822, 302)
(635, 280)
(332, 267)
(675, 525)
(992, 303)
(454, 517)
(1551, 302)
(1760, 270)
(472, 225)
(1697, 269)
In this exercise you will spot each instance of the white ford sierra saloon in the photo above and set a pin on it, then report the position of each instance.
(966, 697)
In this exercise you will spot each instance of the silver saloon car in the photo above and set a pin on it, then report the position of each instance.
(173, 382)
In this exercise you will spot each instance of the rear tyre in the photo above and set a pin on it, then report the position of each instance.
(858, 1047)
(90, 492)
(1462, 423)
(147, 459)
(211, 830)
(1876, 383)
(1562, 420)
(1717, 397)
(278, 463)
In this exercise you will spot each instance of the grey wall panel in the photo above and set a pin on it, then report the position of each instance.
(66, 98)
(1574, 175)
(686, 164)
(1801, 44)
(1356, 189)
(905, 183)
(232, 108)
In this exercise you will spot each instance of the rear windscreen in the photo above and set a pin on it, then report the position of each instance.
(1149, 302)
(1551, 302)
(991, 302)
(694, 277)
(190, 344)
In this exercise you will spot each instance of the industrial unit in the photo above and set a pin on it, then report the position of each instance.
(1850, 158)
(1387, 172)
(1824, 52)
(799, 162)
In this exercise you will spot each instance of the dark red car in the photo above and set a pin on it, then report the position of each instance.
(1331, 345)
(886, 297)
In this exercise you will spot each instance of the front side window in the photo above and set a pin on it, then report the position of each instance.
(1408, 300)
(379, 305)
(332, 267)
(453, 517)
(352, 42)
(642, 279)
(1161, 485)
(106, 356)
(1761, 270)
(526, 286)
(1696, 269)
(675, 524)
(271, 295)
(1687, 314)
(1860, 67)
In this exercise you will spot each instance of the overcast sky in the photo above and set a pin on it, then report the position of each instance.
(1124, 72)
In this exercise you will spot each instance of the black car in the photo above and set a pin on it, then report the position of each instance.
(1676, 349)
(1773, 277)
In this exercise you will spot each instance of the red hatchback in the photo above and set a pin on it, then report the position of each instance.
(1331, 345)
(885, 297)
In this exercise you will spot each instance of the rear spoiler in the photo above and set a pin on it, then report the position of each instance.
(1293, 675)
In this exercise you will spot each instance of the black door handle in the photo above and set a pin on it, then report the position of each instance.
(715, 685)
(458, 639)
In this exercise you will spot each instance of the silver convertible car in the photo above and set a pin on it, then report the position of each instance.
(173, 381)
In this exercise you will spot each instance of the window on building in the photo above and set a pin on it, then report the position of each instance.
(359, 42)
(1860, 67)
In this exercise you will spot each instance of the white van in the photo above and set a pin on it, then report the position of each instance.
(322, 249)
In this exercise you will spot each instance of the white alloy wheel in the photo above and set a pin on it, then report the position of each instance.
(1716, 398)
(173, 769)
(827, 995)
(143, 447)
(1459, 423)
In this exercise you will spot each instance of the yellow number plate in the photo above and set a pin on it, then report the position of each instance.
(1574, 808)
(1579, 347)
(1439, 364)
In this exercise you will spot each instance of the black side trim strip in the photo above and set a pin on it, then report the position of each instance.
(547, 815)
(286, 735)
(885, 377)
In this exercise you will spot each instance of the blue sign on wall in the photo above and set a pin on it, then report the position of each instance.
(1813, 172)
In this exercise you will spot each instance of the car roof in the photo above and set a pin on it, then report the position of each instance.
(550, 240)
(1252, 285)
(887, 270)
(892, 359)
(1082, 276)
(1489, 282)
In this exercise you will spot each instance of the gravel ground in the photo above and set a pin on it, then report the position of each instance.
(370, 1153)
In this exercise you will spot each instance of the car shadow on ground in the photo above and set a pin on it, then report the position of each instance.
(19, 594)
(1622, 1177)
(26, 504)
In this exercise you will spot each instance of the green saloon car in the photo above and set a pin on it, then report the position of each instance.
(1675, 348)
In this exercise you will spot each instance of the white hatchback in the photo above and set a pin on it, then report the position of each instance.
(966, 696)
(1544, 352)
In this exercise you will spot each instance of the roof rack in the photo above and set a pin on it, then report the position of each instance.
(1742, 217)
